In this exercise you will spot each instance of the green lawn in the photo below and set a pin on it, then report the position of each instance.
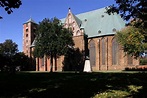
(74, 85)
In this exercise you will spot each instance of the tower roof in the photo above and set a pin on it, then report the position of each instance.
(31, 20)
(33, 43)
(99, 23)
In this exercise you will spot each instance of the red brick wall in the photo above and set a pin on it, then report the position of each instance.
(28, 37)
(122, 59)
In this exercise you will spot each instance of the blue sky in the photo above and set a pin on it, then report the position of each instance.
(11, 26)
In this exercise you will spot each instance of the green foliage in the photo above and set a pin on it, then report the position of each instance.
(143, 61)
(128, 9)
(119, 93)
(8, 5)
(2, 62)
(10, 58)
(131, 40)
(73, 60)
(52, 38)
(8, 48)
(136, 12)
(23, 62)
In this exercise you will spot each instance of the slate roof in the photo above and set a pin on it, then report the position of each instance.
(99, 23)
(33, 43)
(31, 20)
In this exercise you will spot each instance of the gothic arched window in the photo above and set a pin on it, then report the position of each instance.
(103, 51)
(42, 61)
(78, 33)
(92, 53)
(115, 53)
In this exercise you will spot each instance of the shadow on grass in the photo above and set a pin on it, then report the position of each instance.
(71, 85)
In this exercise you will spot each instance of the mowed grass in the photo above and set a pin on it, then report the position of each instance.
(73, 85)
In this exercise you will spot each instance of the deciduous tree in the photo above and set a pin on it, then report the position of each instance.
(131, 9)
(73, 60)
(10, 58)
(133, 38)
(7, 50)
(23, 62)
(8, 5)
(52, 40)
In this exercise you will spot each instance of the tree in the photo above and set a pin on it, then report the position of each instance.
(7, 50)
(11, 59)
(23, 62)
(131, 40)
(135, 12)
(73, 60)
(2, 62)
(131, 9)
(8, 5)
(52, 40)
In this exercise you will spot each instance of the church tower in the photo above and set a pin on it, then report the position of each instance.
(29, 29)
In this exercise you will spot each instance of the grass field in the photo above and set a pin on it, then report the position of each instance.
(73, 85)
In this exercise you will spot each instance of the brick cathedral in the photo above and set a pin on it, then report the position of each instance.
(104, 51)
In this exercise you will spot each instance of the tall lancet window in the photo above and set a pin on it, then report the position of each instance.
(115, 50)
(92, 52)
(69, 18)
(78, 33)
(103, 51)
(42, 61)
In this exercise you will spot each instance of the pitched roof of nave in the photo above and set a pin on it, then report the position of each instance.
(98, 22)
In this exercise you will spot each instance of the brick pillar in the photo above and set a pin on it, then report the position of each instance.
(107, 53)
(98, 54)
(45, 63)
(37, 64)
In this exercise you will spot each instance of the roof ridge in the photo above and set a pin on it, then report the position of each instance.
(77, 20)
(91, 11)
